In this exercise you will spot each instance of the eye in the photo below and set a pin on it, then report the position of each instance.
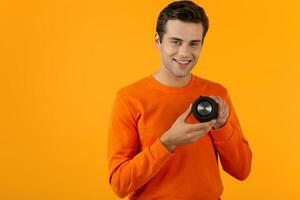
(176, 42)
(194, 44)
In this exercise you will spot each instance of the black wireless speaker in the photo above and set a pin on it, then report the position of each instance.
(205, 109)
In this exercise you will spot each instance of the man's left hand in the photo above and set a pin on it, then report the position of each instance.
(223, 112)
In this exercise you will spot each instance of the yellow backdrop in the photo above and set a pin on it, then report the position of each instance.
(62, 62)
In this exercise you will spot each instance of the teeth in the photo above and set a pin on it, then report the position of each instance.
(182, 62)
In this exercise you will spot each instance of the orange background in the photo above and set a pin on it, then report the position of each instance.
(62, 62)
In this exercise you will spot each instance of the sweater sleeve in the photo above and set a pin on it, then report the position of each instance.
(128, 168)
(233, 148)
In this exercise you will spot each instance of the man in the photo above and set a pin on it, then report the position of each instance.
(156, 148)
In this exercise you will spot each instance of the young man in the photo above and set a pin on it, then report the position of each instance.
(157, 149)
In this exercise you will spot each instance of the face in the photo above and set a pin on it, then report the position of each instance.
(180, 47)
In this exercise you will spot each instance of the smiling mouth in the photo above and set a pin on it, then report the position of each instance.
(182, 62)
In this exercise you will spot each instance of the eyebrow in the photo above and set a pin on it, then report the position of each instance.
(178, 39)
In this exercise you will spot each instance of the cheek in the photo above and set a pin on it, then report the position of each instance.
(169, 51)
(197, 51)
(196, 54)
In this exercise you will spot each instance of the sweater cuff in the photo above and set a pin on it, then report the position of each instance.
(159, 151)
(222, 134)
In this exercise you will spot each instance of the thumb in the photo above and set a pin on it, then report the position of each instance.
(186, 113)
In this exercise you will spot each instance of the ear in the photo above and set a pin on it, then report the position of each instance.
(157, 42)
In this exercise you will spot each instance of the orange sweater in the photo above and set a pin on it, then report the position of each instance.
(141, 166)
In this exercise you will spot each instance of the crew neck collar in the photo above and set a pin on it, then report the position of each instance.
(166, 88)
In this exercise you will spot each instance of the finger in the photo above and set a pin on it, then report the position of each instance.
(186, 112)
(200, 126)
(222, 106)
(221, 109)
(225, 110)
(218, 100)
(215, 98)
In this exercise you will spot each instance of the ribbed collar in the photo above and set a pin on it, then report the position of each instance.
(166, 88)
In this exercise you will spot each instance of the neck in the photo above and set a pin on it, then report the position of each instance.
(170, 80)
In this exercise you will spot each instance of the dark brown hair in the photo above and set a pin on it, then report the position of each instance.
(186, 11)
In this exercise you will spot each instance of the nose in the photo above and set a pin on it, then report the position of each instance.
(184, 50)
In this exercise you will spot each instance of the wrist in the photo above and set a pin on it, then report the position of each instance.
(166, 142)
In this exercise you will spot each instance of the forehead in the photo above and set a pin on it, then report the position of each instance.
(183, 30)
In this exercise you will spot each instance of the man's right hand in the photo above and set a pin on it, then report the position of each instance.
(182, 133)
